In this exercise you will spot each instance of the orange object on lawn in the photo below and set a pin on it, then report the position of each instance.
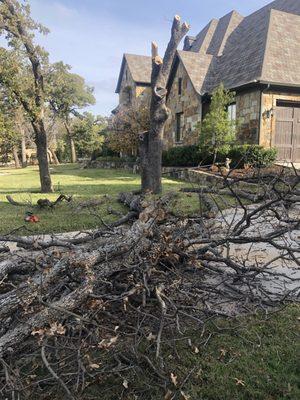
(32, 218)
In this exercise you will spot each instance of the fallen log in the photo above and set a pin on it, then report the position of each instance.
(146, 281)
(42, 203)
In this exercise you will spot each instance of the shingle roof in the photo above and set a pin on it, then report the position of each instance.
(225, 27)
(139, 67)
(282, 56)
(203, 38)
(249, 53)
(196, 66)
(265, 46)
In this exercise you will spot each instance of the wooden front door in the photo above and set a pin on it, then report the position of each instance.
(287, 133)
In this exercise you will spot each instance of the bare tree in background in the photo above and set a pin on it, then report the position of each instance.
(151, 142)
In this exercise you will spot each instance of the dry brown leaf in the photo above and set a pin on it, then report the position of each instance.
(56, 328)
(184, 396)
(239, 382)
(151, 337)
(223, 353)
(174, 379)
(94, 366)
(39, 332)
(106, 343)
(168, 395)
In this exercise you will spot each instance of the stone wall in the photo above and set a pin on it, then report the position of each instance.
(248, 116)
(138, 93)
(188, 103)
(268, 120)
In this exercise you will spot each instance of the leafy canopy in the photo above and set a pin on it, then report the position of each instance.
(67, 92)
(88, 133)
(217, 130)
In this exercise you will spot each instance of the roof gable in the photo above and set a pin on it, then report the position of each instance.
(196, 66)
(225, 27)
(203, 38)
(140, 69)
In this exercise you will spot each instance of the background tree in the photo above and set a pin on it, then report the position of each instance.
(68, 93)
(9, 137)
(21, 72)
(151, 143)
(217, 131)
(87, 132)
(125, 128)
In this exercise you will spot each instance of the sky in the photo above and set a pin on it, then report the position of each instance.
(92, 35)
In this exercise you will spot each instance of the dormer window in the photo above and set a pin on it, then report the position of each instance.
(179, 86)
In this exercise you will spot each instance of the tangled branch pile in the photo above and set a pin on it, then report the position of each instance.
(77, 313)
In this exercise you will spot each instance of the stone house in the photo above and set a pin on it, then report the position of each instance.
(134, 80)
(257, 56)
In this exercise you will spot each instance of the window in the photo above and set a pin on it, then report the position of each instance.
(179, 123)
(232, 112)
(179, 86)
(287, 103)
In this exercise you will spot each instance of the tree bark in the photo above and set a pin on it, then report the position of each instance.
(151, 143)
(72, 144)
(73, 151)
(16, 157)
(23, 151)
(54, 156)
(42, 156)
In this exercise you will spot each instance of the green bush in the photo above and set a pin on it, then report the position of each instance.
(105, 151)
(191, 156)
(253, 155)
(183, 156)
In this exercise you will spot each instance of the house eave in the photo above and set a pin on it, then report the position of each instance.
(261, 84)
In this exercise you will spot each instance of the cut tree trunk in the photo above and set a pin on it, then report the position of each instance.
(42, 155)
(151, 143)
(16, 157)
(23, 151)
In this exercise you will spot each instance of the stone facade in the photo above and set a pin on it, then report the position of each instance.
(268, 115)
(248, 116)
(188, 104)
(132, 93)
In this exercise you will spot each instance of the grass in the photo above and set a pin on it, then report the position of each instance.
(250, 358)
(83, 184)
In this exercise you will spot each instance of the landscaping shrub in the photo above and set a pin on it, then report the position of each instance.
(105, 151)
(253, 155)
(183, 156)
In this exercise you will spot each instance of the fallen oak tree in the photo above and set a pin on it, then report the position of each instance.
(125, 295)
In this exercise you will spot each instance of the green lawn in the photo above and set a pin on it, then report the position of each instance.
(83, 184)
(247, 358)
